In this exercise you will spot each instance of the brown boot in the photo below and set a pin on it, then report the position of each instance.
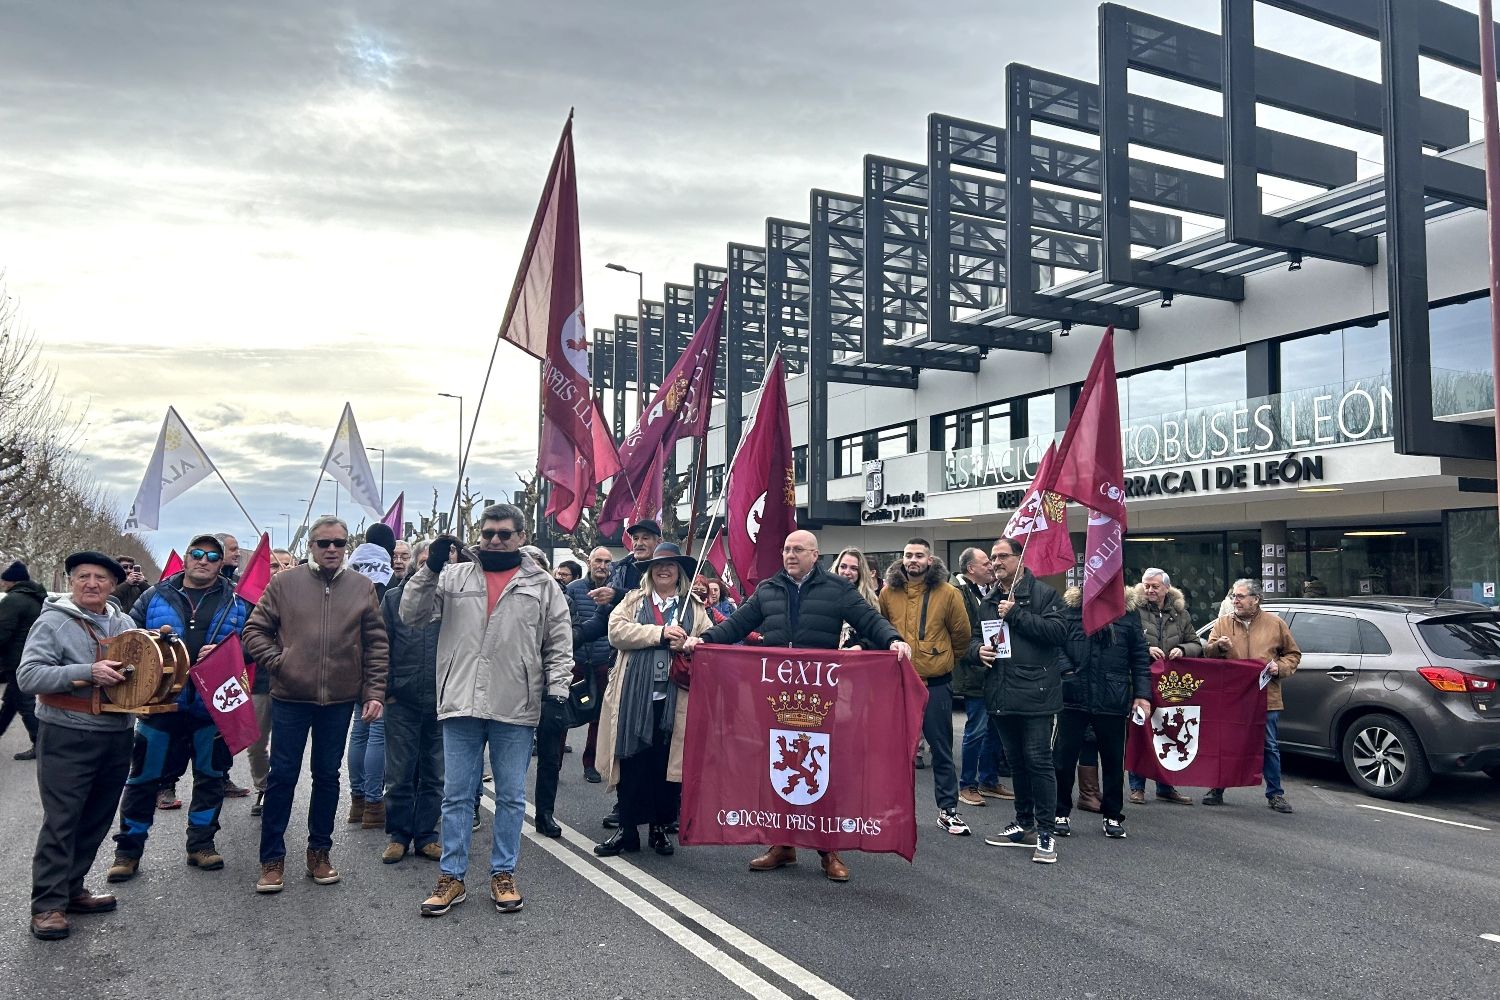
(1088, 790)
(834, 868)
(123, 869)
(320, 869)
(49, 926)
(374, 815)
(270, 876)
(357, 810)
(774, 858)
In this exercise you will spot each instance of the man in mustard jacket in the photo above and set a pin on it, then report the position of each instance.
(929, 613)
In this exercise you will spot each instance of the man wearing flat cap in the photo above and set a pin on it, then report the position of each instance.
(82, 758)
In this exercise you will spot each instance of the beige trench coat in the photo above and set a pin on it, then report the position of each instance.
(627, 635)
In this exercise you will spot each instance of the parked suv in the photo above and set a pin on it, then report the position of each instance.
(1397, 688)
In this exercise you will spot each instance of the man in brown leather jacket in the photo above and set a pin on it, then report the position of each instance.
(319, 633)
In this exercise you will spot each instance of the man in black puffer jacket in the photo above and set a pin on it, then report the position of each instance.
(22, 604)
(803, 606)
(1106, 676)
(1023, 691)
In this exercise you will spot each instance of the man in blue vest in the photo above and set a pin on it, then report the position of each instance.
(200, 605)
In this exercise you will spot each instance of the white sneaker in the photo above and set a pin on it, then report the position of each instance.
(953, 823)
(1062, 826)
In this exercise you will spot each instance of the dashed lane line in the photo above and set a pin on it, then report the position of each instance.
(1430, 819)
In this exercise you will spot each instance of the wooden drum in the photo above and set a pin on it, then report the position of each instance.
(155, 665)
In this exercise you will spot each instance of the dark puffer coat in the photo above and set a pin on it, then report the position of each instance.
(826, 601)
(1104, 672)
(1029, 682)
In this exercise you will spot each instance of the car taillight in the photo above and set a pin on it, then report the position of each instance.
(1448, 679)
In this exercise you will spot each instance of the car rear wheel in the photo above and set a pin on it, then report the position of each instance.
(1493, 772)
(1385, 759)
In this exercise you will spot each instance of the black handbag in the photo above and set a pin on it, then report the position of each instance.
(583, 700)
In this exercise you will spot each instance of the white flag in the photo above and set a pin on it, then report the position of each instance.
(349, 463)
(177, 464)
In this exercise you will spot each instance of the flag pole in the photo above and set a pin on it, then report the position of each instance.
(729, 467)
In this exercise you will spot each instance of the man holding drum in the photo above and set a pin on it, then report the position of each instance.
(82, 758)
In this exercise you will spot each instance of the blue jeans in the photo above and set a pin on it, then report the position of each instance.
(463, 767)
(980, 754)
(1271, 767)
(367, 760)
(292, 722)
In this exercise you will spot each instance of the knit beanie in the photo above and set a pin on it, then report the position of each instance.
(15, 573)
(381, 534)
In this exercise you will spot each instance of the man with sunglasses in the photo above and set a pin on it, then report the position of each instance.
(318, 632)
(505, 659)
(200, 606)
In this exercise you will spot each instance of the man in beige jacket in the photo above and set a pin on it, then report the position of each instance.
(1248, 633)
(319, 633)
(505, 659)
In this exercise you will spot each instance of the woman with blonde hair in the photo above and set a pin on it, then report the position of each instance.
(851, 565)
(644, 716)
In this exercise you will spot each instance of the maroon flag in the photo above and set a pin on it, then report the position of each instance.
(545, 319)
(761, 494)
(174, 565)
(1208, 728)
(394, 517)
(1090, 469)
(1040, 525)
(225, 688)
(257, 572)
(680, 408)
(806, 747)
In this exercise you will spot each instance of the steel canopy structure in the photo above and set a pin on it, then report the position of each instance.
(1008, 235)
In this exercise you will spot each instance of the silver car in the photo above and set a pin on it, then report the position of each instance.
(1397, 688)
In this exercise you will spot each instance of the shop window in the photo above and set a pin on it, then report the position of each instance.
(1473, 559)
(1320, 633)
(1384, 559)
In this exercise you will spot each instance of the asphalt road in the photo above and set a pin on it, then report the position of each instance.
(1341, 899)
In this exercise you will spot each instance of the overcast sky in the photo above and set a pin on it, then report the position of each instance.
(256, 212)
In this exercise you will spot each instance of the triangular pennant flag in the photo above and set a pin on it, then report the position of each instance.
(177, 464)
(174, 565)
(396, 515)
(349, 463)
(257, 572)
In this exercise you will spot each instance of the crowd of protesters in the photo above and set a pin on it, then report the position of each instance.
(432, 668)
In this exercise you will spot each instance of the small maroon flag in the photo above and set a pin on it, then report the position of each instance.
(760, 506)
(679, 409)
(257, 572)
(804, 747)
(224, 687)
(1090, 469)
(1208, 727)
(174, 565)
(1040, 524)
(396, 515)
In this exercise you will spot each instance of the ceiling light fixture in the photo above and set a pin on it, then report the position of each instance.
(1320, 489)
(1374, 534)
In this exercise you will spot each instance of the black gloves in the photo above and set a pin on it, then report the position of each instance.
(438, 552)
(554, 713)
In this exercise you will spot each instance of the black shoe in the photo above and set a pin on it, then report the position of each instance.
(546, 825)
(592, 776)
(28, 754)
(621, 841)
(1279, 803)
(260, 804)
(612, 821)
(659, 841)
(1215, 797)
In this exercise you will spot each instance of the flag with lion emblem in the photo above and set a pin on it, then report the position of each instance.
(1207, 727)
(805, 747)
(224, 686)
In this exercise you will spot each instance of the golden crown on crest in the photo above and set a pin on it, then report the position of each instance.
(800, 709)
(1175, 687)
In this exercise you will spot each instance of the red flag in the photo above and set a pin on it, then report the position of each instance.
(257, 572)
(679, 409)
(545, 319)
(174, 565)
(395, 517)
(1208, 729)
(1040, 525)
(1090, 468)
(811, 748)
(760, 507)
(225, 688)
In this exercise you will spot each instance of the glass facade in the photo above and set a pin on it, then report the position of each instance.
(1186, 386)
(852, 451)
(1336, 357)
(1201, 564)
(1404, 560)
(1463, 370)
(1473, 557)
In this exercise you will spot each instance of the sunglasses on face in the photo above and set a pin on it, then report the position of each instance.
(211, 556)
(504, 534)
(337, 543)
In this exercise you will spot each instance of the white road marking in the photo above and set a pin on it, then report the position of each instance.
(784, 967)
(1491, 937)
(1430, 819)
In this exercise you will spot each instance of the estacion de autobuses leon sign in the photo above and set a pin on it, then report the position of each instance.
(1291, 470)
(1269, 425)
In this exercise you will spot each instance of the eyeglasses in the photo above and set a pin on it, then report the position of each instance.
(324, 543)
(1240, 597)
(208, 554)
(1004, 555)
(504, 534)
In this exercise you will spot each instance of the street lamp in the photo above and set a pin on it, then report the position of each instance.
(382, 473)
(640, 341)
(335, 483)
(288, 542)
(459, 483)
